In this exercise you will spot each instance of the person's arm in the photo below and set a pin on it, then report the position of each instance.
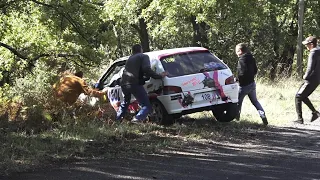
(255, 68)
(89, 91)
(311, 66)
(146, 68)
(241, 67)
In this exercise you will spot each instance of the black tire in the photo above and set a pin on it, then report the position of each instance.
(225, 112)
(159, 114)
(177, 116)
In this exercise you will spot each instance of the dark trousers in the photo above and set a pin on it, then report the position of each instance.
(302, 96)
(141, 95)
(249, 90)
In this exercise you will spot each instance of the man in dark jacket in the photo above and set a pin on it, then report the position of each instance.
(311, 80)
(246, 70)
(132, 82)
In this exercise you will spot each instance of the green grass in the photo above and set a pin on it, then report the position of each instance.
(96, 139)
(278, 101)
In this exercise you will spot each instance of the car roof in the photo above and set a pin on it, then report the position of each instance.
(160, 54)
(166, 52)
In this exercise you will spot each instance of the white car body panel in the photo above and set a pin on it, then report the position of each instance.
(205, 88)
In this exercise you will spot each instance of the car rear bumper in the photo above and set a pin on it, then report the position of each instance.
(199, 99)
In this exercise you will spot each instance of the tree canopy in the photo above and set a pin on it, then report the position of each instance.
(84, 34)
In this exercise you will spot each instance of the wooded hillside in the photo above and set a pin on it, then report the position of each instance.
(61, 34)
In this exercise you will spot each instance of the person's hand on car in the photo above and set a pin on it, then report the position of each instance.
(105, 90)
(164, 74)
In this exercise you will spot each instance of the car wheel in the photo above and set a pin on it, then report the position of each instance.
(159, 114)
(225, 112)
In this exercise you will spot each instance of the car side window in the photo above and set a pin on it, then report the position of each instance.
(114, 76)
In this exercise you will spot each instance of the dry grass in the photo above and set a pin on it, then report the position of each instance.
(278, 100)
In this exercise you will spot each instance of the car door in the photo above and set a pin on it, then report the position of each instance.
(111, 79)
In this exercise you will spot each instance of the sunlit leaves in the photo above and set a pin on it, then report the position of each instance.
(90, 31)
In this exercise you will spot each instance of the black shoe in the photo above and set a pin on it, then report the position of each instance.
(315, 116)
(299, 121)
(263, 117)
(238, 117)
(265, 121)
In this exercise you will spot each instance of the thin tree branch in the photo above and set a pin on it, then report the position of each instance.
(92, 3)
(14, 51)
(44, 4)
(31, 61)
(65, 15)
(6, 4)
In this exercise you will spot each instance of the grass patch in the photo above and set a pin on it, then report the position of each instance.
(96, 139)
(278, 101)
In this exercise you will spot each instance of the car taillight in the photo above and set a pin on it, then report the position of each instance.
(229, 80)
(171, 90)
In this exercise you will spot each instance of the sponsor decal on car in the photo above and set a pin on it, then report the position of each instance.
(214, 82)
(194, 81)
(187, 100)
(176, 97)
(114, 98)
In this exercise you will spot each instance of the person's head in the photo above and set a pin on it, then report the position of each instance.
(79, 74)
(310, 42)
(241, 48)
(137, 49)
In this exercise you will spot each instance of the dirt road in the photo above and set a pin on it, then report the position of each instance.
(274, 153)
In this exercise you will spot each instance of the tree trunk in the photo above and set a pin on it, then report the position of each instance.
(300, 34)
(119, 44)
(144, 36)
(200, 37)
(286, 60)
(276, 44)
(5, 78)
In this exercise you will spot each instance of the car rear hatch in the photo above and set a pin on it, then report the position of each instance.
(195, 78)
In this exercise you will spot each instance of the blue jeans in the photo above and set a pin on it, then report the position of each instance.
(141, 95)
(249, 90)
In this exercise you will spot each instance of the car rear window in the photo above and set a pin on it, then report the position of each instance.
(191, 63)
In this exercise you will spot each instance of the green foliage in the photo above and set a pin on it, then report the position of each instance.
(35, 90)
(54, 31)
(82, 34)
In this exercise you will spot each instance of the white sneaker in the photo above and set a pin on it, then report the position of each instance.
(135, 120)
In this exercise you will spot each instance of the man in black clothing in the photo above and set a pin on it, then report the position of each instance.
(311, 80)
(132, 82)
(246, 70)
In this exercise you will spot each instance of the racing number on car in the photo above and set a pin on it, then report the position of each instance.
(206, 97)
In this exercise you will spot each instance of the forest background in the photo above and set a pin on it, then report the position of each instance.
(76, 34)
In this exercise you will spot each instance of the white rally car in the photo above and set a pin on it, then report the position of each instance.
(197, 81)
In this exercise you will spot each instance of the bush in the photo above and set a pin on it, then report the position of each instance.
(30, 98)
(31, 105)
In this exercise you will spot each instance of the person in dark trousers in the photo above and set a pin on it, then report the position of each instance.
(311, 80)
(132, 82)
(246, 70)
